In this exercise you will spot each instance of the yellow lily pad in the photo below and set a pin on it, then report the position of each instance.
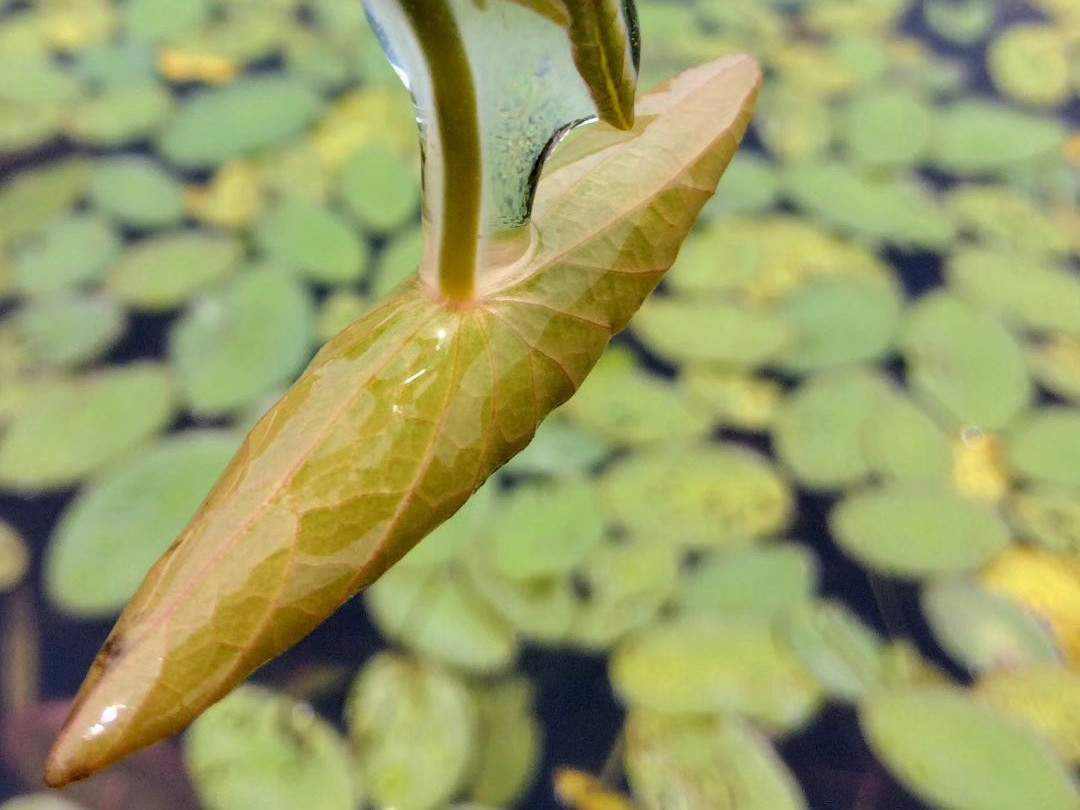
(1045, 698)
(1029, 63)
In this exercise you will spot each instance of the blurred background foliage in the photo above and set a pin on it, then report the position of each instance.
(809, 536)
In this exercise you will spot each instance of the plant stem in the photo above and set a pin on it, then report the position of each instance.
(458, 132)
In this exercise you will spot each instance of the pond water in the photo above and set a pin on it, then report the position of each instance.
(812, 527)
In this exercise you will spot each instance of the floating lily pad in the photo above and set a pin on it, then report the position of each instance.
(838, 322)
(682, 330)
(545, 530)
(380, 189)
(138, 193)
(1002, 218)
(14, 557)
(984, 631)
(902, 443)
(542, 609)
(163, 272)
(1048, 515)
(254, 113)
(625, 405)
(712, 495)
(121, 114)
(465, 529)
(39, 801)
(888, 128)
(982, 137)
(510, 740)
(712, 664)
(250, 338)
(1033, 294)
(114, 531)
(1045, 698)
(74, 429)
(163, 20)
(33, 198)
(880, 207)
(72, 251)
(437, 613)
(626, 585)
(750, 184)
(832, 643)
(63, 330)
(1043, 447)
(963, 363)
(559, 449)
(793, 124)
(735, 399)
(757, 581)
(1055, 364)
(314, 240)
(1030, 64)
(258, 749)
(915, 531)
(414, 728)
(338, 310)
(819, 431)
(706, 762)
(954, 752)
(962, 22)
(398, 262)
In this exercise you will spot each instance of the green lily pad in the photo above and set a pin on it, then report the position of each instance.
(706, 762)
(162, 272)
(559, 449)
(984, 631)
(163, 20)
(541, 609)
(627, 584)
(1030, 64)
(14, 557)
(962, 22)
(72, 251)
(1032, 294)
(338, 310)
(984, 138)
(963, 363)
(467, 527)
(711, 664)
(510, 742)
(121, 114)
(137, 193)
(624, 404)
(74, 429)
(698, 497)
(1001, 218)
(545, 530)
(1045, 698)
(33, 198)
(259, 749)
(884, 208)
(25, 125)
(218, 124)
(888, 127)
(839, 322)
(832, 643)
(689, 330)
(247, 339)
(1048, 515)
(902, 443)
(116, 62)
(437, 613)
(793, 124)
(765, 581)
(313, 239)
(414, 728)
(60, 331)
(730, 398)
(114, 530)
(955, 753)
(1043, 447)
(916, 531)
(380, 189)
(819, 430)
(398, 262)
(750, 185)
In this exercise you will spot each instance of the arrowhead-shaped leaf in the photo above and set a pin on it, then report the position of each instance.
(400, 418)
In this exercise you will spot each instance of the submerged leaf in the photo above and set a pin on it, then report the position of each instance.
(400, 419)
